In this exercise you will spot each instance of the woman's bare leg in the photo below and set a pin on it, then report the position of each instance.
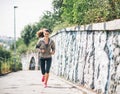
(46, 78)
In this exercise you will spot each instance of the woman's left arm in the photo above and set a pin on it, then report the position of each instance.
(52, 47)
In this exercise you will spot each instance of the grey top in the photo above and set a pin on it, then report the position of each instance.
(47, 47)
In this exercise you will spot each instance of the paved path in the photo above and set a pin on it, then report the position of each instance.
(29, 82)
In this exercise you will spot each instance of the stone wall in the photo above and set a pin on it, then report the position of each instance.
(26, 60)
(89, 56)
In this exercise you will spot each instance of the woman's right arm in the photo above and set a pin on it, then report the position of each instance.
(38, 47)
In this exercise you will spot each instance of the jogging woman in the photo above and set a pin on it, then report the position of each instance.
(46, 48)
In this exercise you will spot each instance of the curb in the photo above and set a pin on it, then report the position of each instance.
(5, 73)
(81, 88)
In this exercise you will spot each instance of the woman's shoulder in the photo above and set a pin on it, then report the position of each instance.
(51, 40)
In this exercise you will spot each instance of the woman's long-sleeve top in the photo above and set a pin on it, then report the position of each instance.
(46, 47)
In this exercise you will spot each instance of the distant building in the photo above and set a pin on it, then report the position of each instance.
(6, 41)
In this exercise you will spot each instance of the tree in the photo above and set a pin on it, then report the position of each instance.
(47, 21)
(114, 9)
(67, 10)
(4, 54)
(27, 34)
(57, 5)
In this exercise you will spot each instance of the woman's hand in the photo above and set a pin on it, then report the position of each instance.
(42, 51)
(52, 52)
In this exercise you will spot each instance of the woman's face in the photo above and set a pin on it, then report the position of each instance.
(46, 34)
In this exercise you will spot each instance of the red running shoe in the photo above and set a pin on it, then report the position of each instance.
(43, 78)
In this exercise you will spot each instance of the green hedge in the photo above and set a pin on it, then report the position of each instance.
(9, 66)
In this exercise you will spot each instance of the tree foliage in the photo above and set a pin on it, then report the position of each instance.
(21, 46)
(88, 11)
(57, 5)
(70, 12)
(47, 21)
(28, 33)
(4, 54)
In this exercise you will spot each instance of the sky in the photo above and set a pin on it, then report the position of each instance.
(28, 12)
